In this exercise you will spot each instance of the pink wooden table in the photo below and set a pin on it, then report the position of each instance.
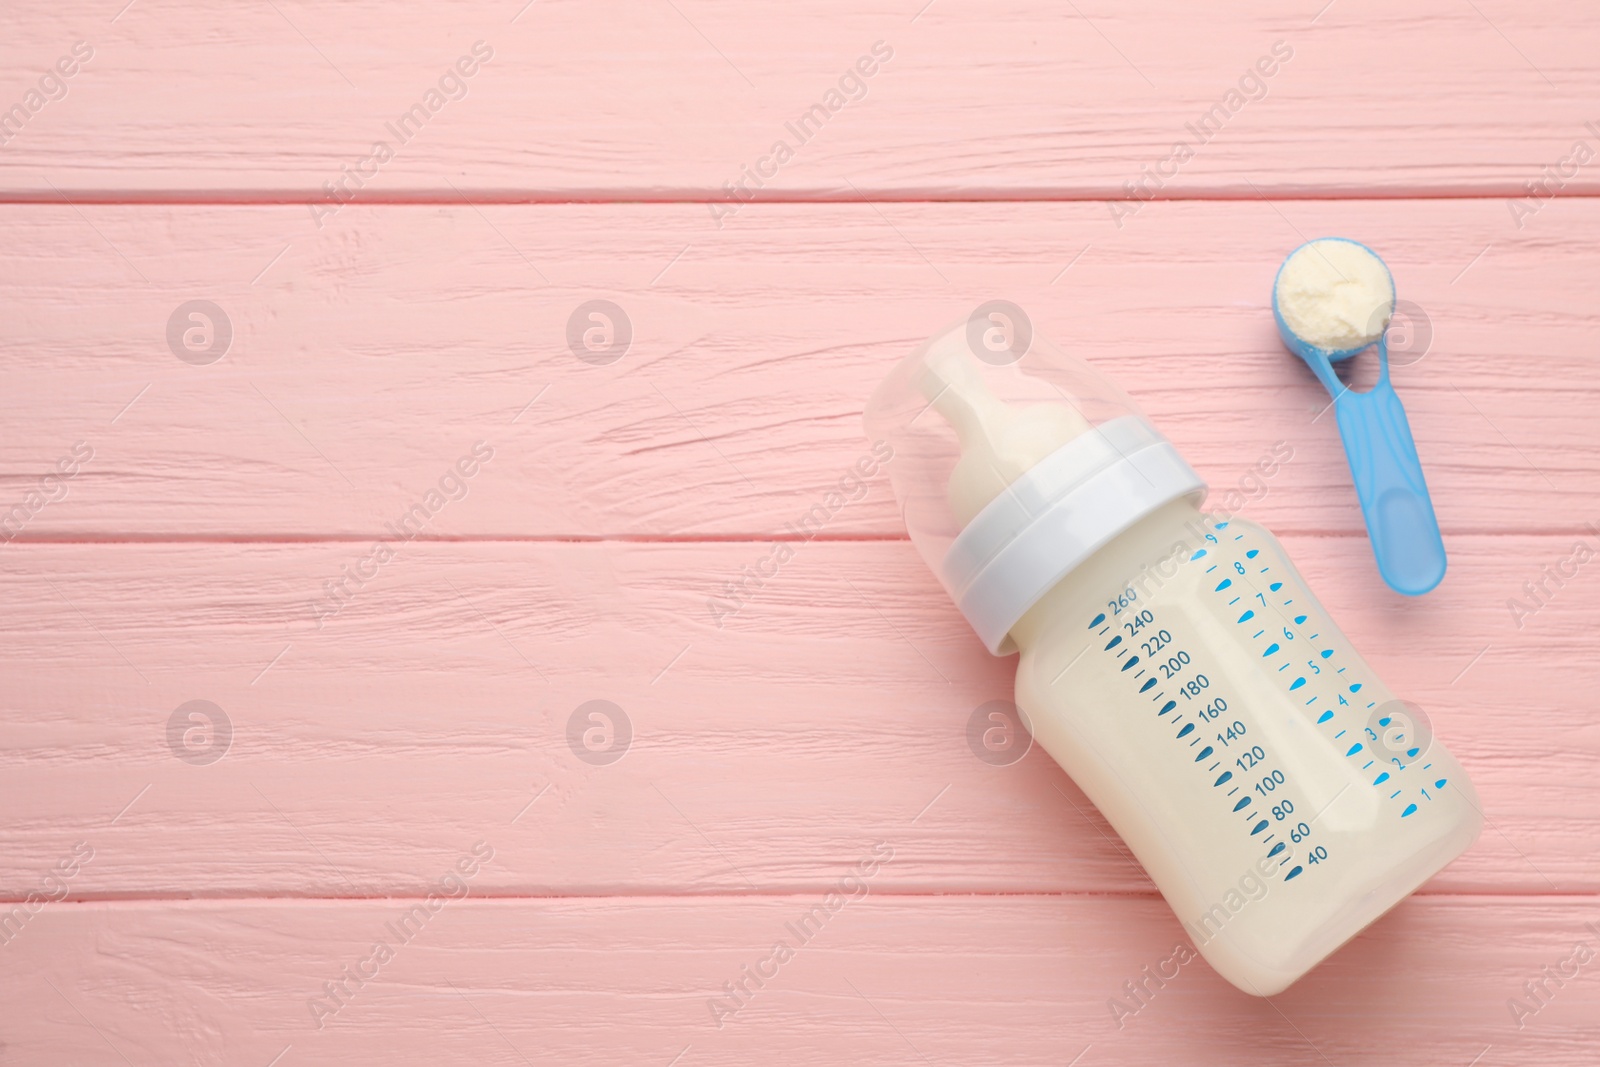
(324, 526)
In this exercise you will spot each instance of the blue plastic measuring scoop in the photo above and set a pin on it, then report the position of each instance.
(1377, 442)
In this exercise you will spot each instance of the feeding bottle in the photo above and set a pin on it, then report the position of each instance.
(1173, 661)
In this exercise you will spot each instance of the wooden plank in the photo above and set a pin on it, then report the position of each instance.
(184, 100)
(830, 709)
(368, 358)
(902, 980)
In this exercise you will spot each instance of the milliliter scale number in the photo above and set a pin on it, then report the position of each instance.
(1161, 664)
(1234, 583)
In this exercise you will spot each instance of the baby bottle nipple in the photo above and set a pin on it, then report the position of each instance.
(1332, 299)
(999, 443)
(1011, 473)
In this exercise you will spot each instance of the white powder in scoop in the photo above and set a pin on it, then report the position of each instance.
(1335, 295)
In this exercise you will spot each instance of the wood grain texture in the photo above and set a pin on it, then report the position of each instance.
(831, 709)
(629, 100)
(181, 895)
(366, 359)
(895, 980)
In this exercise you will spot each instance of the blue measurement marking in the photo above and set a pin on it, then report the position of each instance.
(1292, 873)
(1409, 809)
(1294, 683)
(1204, 752)
(1167, 707)
(1440, 783)
(1199, 555)
(1340, 734)
(1186, 731)
(1147, 686)
(1113, 643)
(1098, 619)
(1221, 526)
(1396, 793)
(1130, 663)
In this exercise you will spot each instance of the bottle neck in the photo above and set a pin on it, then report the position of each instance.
(1135, 557)
(1056, 516)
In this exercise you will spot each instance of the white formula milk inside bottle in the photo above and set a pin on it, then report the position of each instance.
(1173, 662)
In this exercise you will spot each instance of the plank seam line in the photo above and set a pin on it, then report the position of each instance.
(648, 539)
(431, 198)
(783, 894)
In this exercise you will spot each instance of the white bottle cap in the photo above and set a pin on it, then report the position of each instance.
(1014, 462)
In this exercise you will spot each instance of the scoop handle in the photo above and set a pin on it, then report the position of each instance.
(1389, 482)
